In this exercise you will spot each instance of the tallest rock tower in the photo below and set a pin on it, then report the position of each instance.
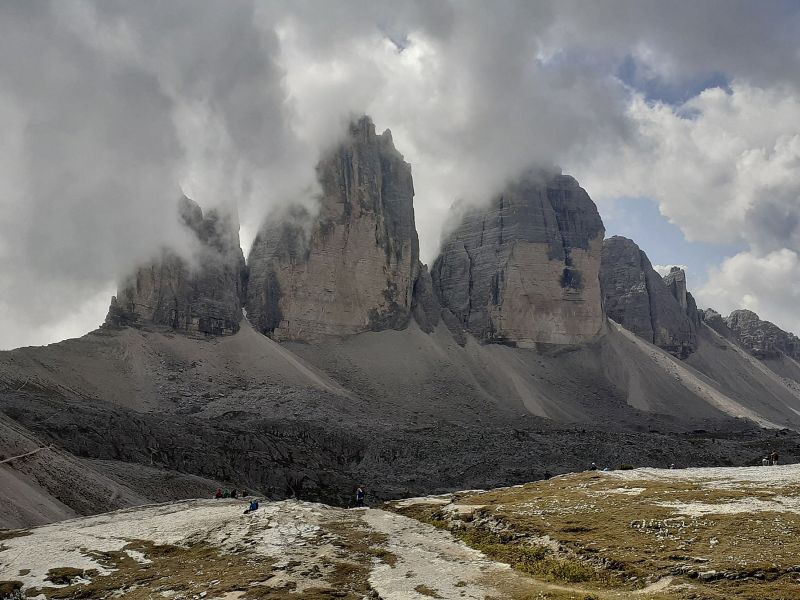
(352, 267)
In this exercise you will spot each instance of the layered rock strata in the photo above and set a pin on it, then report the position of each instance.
(762, 339)
(635, 296)
(352, 267)
(525, 270)
(202, 295)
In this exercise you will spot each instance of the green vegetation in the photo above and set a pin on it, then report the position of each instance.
(426, 591)
(617, 534)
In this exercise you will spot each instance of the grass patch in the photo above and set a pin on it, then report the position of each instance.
(426, 591)
(9, 534)
(623, 534)
(10, 590)
(384, 556)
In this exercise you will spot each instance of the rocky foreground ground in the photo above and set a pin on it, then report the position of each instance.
(688, 533)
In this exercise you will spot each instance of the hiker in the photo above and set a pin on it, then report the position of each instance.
(774, 457)
(218, 494)
(360, 496)
(233, 493)
(226, 494)
(253, 506)
(593, 467)
(672, 465)
(765, 461)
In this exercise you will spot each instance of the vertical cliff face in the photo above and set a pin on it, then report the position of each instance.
(762, 339)
(352, 267)
(202, 296)
(637, 297)
(525, 270)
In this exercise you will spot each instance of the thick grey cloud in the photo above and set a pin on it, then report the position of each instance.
(109, 108)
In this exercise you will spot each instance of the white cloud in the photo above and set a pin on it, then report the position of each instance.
(768, 285)
(108, 107)
(723, 167)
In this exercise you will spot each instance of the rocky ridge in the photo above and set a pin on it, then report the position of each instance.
(351, 268)
(638, 298)
(203, 296)
(525, 270)
(762, 339)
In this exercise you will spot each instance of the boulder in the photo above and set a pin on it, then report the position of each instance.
(524, 270)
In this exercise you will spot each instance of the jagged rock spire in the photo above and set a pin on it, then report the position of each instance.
(352, 267)
(202, 296)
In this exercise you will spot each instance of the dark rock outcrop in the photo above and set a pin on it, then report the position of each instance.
(525, 270)
(203, 295)
(675, 281)
(762, 339)
(637, 297)
(351, 268)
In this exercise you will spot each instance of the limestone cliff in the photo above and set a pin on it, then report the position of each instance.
(203, 295)
(762, 339)
(351, 268)
(525, 269)
(635, 296)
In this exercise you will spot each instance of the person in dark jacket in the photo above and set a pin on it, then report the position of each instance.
(360, 496)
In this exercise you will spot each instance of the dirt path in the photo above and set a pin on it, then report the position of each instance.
(428, 558)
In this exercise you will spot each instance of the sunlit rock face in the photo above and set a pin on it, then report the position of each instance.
(638, 298)
(524, 270)
(350, 268)
(199, 295)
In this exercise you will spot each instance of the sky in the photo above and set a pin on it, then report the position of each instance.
(681, 120)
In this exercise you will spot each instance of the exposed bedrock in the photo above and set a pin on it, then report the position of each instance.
(635, 296)
(525, 270)
(352, 267)
(762, 339)
(202, 295)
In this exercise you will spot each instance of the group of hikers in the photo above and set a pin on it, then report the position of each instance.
(224, 493)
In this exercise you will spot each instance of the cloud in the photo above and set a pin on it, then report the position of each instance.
(723, 167)
(768, 285)
(109, 109)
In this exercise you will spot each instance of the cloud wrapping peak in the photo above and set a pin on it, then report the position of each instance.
(110, 109)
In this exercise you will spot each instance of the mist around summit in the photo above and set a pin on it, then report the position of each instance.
(111, 111)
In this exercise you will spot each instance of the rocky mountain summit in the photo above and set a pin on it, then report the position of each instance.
(525, 270)
(762, 339)
(351, 268)
(658, 310)
(203, 295)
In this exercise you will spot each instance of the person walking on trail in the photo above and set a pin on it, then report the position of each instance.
(218, 494)
(226, 494)
(360, 496)
(774, 458)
